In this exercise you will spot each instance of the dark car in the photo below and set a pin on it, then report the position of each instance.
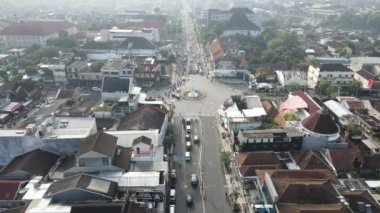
(189, 200)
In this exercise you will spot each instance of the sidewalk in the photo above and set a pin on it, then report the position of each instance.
(232, 181)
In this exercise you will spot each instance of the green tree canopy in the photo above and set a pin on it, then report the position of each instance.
(48, 52)
(171, 58)
(97, 66)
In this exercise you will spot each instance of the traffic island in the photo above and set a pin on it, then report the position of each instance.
(193, 95)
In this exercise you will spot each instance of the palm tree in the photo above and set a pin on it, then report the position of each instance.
(225, 158)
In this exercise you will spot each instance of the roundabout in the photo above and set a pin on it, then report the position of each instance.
(193, 94)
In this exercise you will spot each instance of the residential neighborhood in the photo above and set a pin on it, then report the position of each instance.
(190, 106)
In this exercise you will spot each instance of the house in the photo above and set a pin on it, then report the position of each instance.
(273, 113)
(361, 201)
(368, 80)
(37, 32)
(292, 77)
(99, 152)
(73, 70)
(249, 162)
(242, 113)
(311, 160)
(239, 24)
(268, 75)
(344, 160)
(321, 132)
(335, 48)
(146, 118)
(34, 163)
(337, 74)
(59, 73)
(270, 139)
(87, 78)
(298, 194)
(114, 88)
(216, 15)
(81, 188)
(355, 106)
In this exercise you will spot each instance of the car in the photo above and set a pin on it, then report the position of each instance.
(172, 196)
(194, 179)
(187, 137)
(188, 145)
(173, 174)
(172, 209)
(187, 156)
(189, 200)
(196, 139)
(188, 128)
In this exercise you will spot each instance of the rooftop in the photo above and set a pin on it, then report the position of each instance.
(338, 109)
(334, 67)
(36, 28)
(320, 122)
(140, 179)
(143, 118)
(240, 21)
(99, 142)
(114, 85)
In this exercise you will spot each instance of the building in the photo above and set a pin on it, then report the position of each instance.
(118, 68)
(270, 139)
(368, 80)
(114, 88)
(81, 188)
(337, 74)
(116, 34)
(73, 70)
(148, 73)
(29, 33)
(97, 153)
(340, 114)
(216, 15)
(130, 47)
(34, 163)
(321, 131)
(242, 113)
(59, 73)
(359, 63)
(239, 24)
(61, 135)
(292, 77)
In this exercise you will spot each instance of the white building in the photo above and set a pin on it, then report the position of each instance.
(239, 24)
(59, 72)
(336, 74)
(29, 33)
(116, 34)
(291, 77)
(357, 64)
(118, 68)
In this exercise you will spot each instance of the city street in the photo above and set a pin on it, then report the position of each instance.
(209, 195)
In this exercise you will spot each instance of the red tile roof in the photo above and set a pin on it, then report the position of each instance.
(9, 189)
(313, 208)
(320, 122)
(36, 28)
(312, 106)
(310, 160)
(257, 158)
(343, 159)
(353, 197)
(356, 105)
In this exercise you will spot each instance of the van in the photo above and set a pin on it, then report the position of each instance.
(188, 145)
(187, 156)
(172, 196)
(172, 209)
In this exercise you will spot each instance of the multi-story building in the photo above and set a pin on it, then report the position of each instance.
(148, 73)
(337, 74)
(118, 68)
(116, 34)
(29, 33)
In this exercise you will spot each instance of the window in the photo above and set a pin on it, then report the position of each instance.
(81, 163)
(129, 72)
(105, 161)
(123, 72)
(138, 150)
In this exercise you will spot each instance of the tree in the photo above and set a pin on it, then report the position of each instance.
(169, 138)
(63, 34)
(225, 158)
(4, 75)
(235, 194)
(48, 52)
(171, 59)
(290, 116)
(47, 73)
(355, 87)
(353, 129)
(97, 66)
(293, 87)
(164, 53)
(326, 88)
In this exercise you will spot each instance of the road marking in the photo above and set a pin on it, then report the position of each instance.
(185, 186)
